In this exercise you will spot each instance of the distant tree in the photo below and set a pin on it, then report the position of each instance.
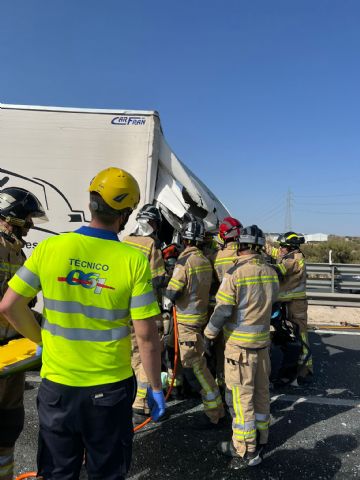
(343, 251)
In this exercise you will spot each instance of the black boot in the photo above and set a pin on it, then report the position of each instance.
(139, 416)
(176, 393)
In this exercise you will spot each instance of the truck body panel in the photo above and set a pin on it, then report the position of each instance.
(54, 152)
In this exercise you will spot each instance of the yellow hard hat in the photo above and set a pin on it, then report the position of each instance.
(117, 188)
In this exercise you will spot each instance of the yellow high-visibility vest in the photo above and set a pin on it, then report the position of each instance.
(92, 286)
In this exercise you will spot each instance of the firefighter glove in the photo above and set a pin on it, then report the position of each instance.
(208, 344)
(156, 402)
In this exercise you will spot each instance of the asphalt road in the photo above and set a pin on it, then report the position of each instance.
(315, 430)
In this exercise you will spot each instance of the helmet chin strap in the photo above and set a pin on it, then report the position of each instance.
(17, 222)
(18, 232)
(125, 215)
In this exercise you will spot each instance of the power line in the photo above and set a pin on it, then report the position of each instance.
(288, 210)
(270, 217)
(332, 195)
(279, 203)
(327, 203)
(273, 211)
(329, 213)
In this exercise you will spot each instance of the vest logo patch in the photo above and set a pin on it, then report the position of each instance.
(86, 280)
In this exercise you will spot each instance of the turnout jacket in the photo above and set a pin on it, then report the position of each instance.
(189, 287)
(244, 302)
(210, 249)
(11, 259)
(225, 259)
(272, 251)
(150, 248)
(292, 276)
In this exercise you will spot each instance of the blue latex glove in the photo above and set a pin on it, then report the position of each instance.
(38, 351)
(156, 402)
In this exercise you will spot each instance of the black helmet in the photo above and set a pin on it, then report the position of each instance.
(291, 240)
(252, 235)
(149, 212)
(193, 230)
(17, 203)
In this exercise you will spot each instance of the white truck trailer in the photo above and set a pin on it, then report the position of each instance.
(54, 152)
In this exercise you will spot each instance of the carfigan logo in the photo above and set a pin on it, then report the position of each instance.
(125, 120)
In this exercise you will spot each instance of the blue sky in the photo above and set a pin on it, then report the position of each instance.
(257, 97)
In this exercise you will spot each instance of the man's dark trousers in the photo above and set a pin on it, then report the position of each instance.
(94, 420)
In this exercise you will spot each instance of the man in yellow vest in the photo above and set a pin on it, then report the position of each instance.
(19, 208)
(92, 286)
(242, 312)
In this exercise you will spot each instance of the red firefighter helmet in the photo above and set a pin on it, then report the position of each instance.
(229, 229)
(170, 251)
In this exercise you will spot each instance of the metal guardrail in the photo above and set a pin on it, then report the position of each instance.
(335, 284)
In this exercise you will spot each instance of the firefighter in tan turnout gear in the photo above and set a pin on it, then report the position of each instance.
(189, 289)
(145, 239)
(290, 264)
(18, 207)
(243, 311)
(225, 258)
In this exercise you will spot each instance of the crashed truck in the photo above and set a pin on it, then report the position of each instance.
(54, 152)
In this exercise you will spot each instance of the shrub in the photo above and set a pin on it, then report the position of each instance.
(343, 251)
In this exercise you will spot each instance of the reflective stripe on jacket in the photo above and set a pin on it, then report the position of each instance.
(225, 259)
(147, 245)
(244, 302)
(92, 285)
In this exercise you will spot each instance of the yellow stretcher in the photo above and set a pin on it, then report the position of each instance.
(17, 356)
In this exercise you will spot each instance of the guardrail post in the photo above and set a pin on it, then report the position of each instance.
(332, 279)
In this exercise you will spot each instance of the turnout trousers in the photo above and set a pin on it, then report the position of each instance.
(11, 420)
(170, 360)
(297, 313)
(191, 346)
(96, 420)
(140, 402)
(247, 395)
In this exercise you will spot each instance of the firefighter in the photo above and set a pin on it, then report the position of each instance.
(243, 310)
(145, 239)
(18, 208)
(85, 397)
(271, 251)
(170, 255)
(212, 244)
(223, 260)
(291, 266)
(189, 289)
